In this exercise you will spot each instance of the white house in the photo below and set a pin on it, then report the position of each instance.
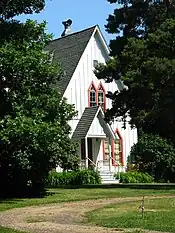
(104, 146)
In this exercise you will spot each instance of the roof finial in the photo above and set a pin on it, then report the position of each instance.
(67, 29)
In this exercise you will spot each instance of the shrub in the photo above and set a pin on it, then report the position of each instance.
(134, 177)
(78, 177)
(156, 156)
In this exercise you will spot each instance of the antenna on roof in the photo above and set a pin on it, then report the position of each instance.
(67, 29)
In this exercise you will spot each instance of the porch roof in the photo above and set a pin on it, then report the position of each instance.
(85, 123)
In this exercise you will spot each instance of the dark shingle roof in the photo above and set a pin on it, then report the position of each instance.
(85, 122)
(68, 51)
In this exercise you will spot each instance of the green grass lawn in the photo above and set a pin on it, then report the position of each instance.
(159, 215)
(66, 195)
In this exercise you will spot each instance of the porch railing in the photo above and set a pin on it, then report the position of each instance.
(93, 164)
(102, 163)
(83, 163)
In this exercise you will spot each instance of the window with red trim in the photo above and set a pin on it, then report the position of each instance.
(92, 96)
(97, 96)
(117, 149)
(106, 149)
(101, 96)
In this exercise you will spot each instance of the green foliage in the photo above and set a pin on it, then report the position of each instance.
(135, 19)
(143, 58)
(56, 179)
(34, 129)
(9, 9)
(9, 230)
(156, 156)
(134, 177)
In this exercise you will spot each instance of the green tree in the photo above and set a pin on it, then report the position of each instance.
(11, 8)
(156, 156)
(34, 129)
(143, 58)
(135, 19)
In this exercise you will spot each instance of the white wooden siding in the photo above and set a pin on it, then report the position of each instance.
(96, 130)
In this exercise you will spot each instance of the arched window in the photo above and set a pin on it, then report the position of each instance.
(117, 150)
(92, 95)
(101, 97)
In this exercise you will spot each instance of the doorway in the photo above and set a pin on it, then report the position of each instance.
(90, 151)
(90, 156)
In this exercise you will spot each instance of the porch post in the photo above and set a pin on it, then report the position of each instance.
(110, 150)
(86, 152)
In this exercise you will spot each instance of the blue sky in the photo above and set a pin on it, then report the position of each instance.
(83, 14)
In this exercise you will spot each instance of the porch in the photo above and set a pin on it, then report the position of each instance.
(95, 138)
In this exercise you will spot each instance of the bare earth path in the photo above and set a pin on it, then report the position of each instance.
(60, 218)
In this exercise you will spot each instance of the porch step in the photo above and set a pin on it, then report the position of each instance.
(108, 177)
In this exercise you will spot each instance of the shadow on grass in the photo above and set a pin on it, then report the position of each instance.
(6, 194)
(155, 186)
(13, 199)
(10, 201)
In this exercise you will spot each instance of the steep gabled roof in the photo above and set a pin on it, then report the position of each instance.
(68, 50)
(86, 121)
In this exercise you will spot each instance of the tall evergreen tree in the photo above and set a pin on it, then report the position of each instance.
(143, 58)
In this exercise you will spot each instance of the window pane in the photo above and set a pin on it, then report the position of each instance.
(92, 104)
(93, 93)
(101, 96)
(92, 96)
(92, 99)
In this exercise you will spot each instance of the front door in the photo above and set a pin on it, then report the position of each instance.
(90, 156)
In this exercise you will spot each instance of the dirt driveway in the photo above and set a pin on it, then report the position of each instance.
(59, 218)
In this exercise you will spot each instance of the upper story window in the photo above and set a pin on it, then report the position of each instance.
(97, 96)
(101, 96)
(92, 95)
